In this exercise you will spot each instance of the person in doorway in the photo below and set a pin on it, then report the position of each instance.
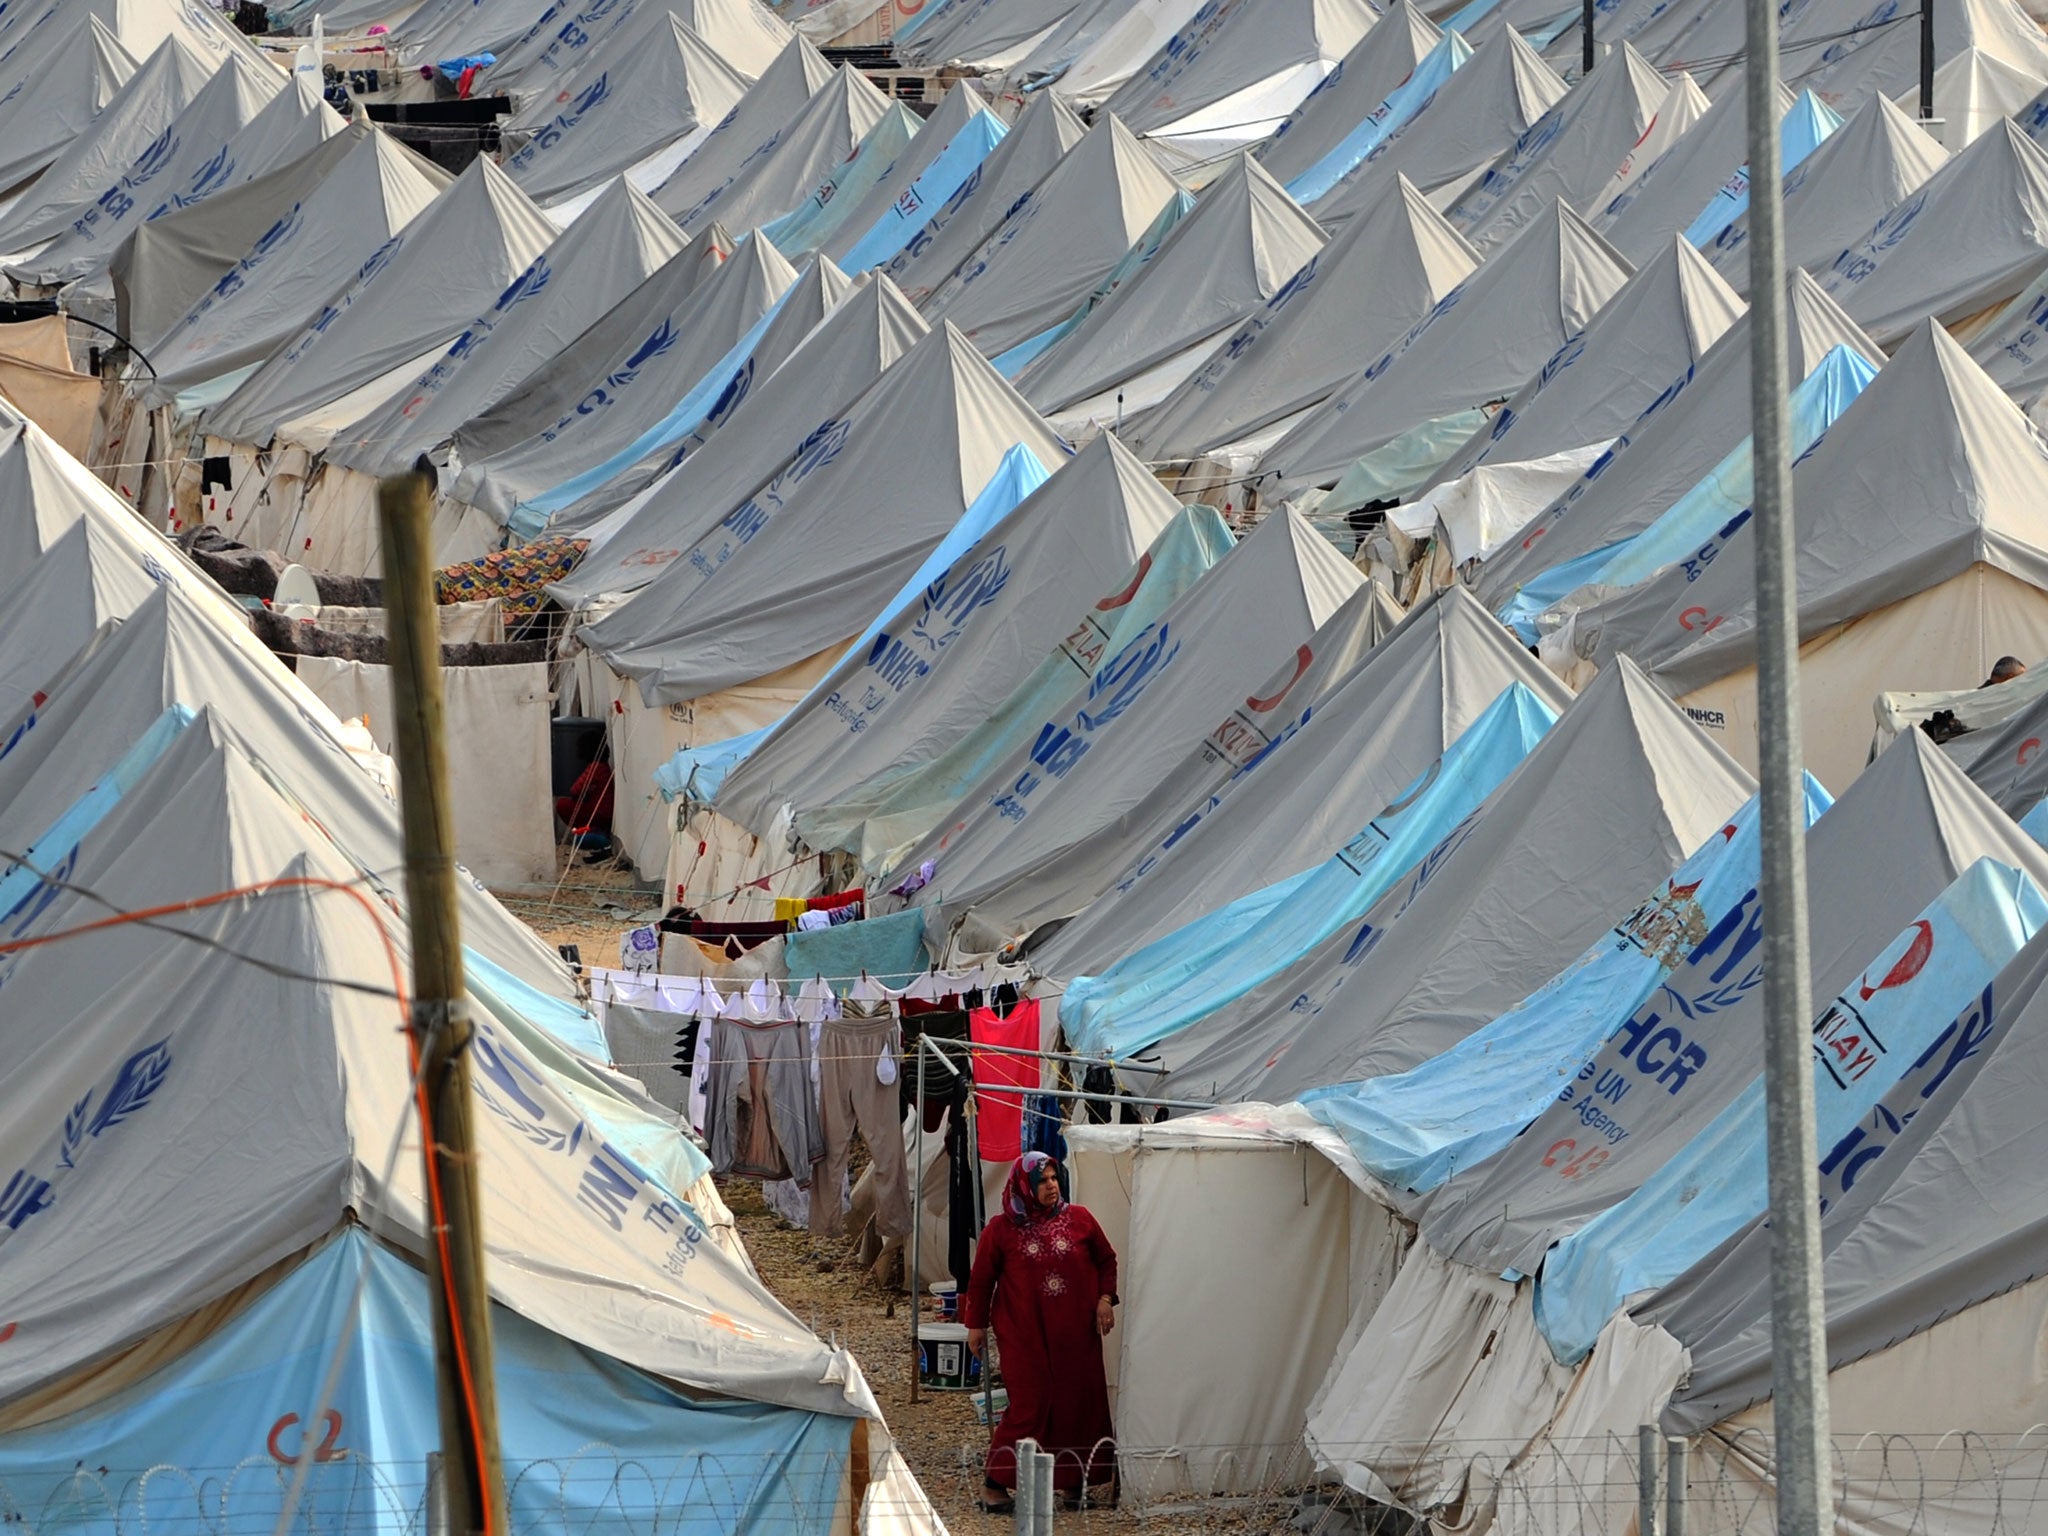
(1045, 1278)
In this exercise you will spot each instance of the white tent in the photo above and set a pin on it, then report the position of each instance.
(971, 636)
(1483, 109)
(1678, 439)
(411, 299)
(350, 222)
(669, 87)
(619, 377)
(1342, 99)
(855, 345)
(1973, 90)
(1123, 38)
(1681, 110)
(70, 77)
(1843, 63)
(1832, 197)
(1921, 514)
(1046, 255)
(1371, 735)
(620, 242)
(1657, 328)
(1908, 266)
(960, 106)
(134, 122)
(1358, 296)
(1036, 142)
(196, 156)
(1569, 155)
(568, 41)
(783, 169)
(1106, 747)
(771, 104)
(1245, 239)
(797, 569)
(1475, 348)
(1670, 193)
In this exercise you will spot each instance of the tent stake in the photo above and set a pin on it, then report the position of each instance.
(473, 1488)
(1798, 1323)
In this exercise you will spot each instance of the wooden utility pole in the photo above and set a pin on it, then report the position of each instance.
(473, 1483)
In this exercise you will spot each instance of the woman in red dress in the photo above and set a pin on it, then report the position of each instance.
(1045, 1279)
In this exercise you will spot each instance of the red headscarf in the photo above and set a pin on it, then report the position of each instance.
(1020, 1195)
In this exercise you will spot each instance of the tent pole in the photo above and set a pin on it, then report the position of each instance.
(1927, 61)
(472, 1479)
(1586, 42)
(1798, 1320)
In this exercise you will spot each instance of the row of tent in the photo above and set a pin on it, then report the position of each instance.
(1404, 809)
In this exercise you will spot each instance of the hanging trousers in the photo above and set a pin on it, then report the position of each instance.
(853, 1098)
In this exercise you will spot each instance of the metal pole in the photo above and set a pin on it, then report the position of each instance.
(1674, 1486)
(1026, 1498)
(1799, 1346)
(916, 1286)
(441, 1029)
(1586, 41)
(1926, 61)
(1649, 1463)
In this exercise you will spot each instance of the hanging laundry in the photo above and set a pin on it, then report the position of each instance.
(763, 1118)
(857, 1054)
(1002, 1114)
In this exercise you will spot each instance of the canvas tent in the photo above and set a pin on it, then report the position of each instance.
(202, 151)
(969, 637)
(460, 252)
(352, 221)
(771, 104)
(1307, 337)
(653, 345)
(670, 87)
(961, 114)
(618, 243)
(1109, 744)
(884, 815)
(1657, 328)
(1036, 142)
(1046, 255)
(563, 45)
(1906, 268)
(1502, 91)
(1476, 347)
(1680, 436)
(797, 569)
(870, 168)
(1244, 240)
(1388, 53)
(1435, 957)
(782, 170)
(1919, 513)
(133, 122)
(1403, 705)
(1872, 164)
(1569, 155)
(65, 84)
(854, 346)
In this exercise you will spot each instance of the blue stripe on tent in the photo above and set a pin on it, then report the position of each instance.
(1938, 970)
(32, 883)
(1161, 989)
(700, 772)
(1805, 127)
(961, 157)
(1415, 1129)
(1387, 119)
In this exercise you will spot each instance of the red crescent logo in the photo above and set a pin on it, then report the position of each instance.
(1534, 537)
(1137, 579)
(1685, 617)
(1909, 965)
(1302, 658)
(2027, 750)
(1728, 833)
(8, 1332)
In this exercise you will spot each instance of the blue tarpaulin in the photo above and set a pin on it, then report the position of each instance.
(591, 1447)
(1416, 1129)
(1940, 967)
(1162, 988)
